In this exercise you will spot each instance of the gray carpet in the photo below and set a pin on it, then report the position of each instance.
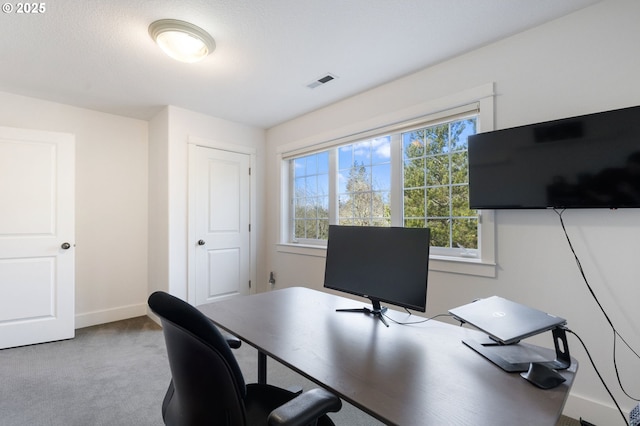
(114, 374)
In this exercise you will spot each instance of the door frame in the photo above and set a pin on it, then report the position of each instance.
(193, 143)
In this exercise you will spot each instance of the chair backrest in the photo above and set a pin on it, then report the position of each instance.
(208, 387)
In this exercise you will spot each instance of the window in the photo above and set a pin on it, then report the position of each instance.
(393, 170)
(311, 196)
(364, 183)
(434, 185)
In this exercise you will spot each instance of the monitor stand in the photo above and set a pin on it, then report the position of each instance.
(377, 311)
(510, 357)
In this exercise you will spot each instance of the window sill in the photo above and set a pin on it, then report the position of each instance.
(462, 265)
(302, 249)
(455, 265)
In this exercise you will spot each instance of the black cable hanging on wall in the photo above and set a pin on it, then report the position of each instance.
(616, 335)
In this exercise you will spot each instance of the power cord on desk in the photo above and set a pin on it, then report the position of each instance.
(586, 281)
(599, 375)
(415, 322)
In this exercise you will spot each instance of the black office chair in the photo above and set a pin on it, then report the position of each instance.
(207, 387)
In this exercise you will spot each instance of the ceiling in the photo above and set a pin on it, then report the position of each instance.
(98, 54)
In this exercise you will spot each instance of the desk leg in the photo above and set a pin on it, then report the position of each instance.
(262, 368)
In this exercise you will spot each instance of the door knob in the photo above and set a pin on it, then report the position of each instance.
(65, 246)
(200, 242)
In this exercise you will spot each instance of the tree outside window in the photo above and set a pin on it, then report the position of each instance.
(364, 176)
(436, 183)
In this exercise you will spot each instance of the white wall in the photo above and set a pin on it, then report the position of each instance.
(170, 131)
(158, 224)
(131, 198)
(111, 203)
(583, 63)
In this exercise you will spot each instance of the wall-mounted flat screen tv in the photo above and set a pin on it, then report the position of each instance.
(589, 161)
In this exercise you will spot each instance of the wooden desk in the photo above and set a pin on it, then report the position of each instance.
(405, 375)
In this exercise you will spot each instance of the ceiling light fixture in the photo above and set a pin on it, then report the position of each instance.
(181, 40)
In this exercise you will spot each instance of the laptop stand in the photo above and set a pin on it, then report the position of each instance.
(510, 357)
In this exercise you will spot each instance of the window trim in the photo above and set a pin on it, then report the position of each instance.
(480, 98)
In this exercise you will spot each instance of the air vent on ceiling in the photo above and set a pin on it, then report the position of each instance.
(322, 80)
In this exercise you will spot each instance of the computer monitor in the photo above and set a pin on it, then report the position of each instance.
(383, 264)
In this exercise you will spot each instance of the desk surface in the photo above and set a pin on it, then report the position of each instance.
(404, 374)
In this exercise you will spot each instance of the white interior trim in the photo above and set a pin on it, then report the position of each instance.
(104, 316)
(210, 143)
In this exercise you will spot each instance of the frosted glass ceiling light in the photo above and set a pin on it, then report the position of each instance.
(181, 40)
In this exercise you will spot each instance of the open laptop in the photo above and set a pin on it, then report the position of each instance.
(505, 321)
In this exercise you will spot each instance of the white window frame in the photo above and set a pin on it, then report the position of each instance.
(480, 98)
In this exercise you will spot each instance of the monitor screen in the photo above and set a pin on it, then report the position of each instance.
(383, 264)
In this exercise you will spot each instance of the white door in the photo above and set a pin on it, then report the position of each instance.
(221, 238)
(36, 236)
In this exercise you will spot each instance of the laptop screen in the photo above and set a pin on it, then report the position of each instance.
(506, 321)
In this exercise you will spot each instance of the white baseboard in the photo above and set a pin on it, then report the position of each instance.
(154, 317)
(110, 315)
(596, 412)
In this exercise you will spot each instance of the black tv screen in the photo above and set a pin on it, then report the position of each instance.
(382, 264)
(589, 161)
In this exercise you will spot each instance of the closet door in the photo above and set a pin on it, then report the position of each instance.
(36, 236)
(222, 255)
